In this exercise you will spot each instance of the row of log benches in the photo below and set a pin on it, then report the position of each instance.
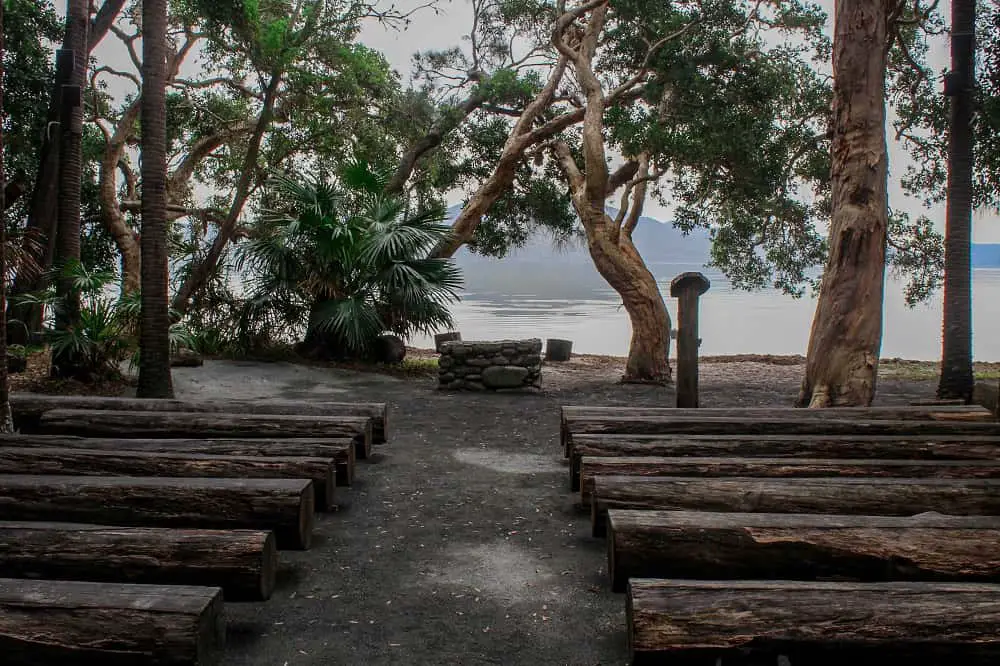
(748, 535)
(125, 524)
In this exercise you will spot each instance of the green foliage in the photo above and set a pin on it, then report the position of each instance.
(108, 329)
(916, 250)
(342, 264)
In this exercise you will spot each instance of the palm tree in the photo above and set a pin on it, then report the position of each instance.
(6, 423)
(345, 266)
(956, 362)
(154, 326)
(71, 173)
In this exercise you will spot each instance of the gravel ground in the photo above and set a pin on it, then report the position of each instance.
(459, 543)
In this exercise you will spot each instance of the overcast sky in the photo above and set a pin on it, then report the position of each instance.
(446, 27)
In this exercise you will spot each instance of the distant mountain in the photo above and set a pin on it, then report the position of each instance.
(541, 267)
(986, 255)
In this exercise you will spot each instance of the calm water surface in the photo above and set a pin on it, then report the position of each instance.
(541, 302)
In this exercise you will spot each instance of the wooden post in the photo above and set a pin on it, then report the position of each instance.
(687, 288)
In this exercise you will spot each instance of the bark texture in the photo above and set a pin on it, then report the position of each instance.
(72, 622)
(769, 546)
(95, 462)
(242, 562)
(29, 407)
(846, 337)
(698, 622)
(6, 423)
(282, 505)
(956, 360)
(593, 467)
(154, 327)
(787, 447)
(885, 497)
(341, 451)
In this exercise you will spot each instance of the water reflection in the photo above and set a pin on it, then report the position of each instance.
(569, 302)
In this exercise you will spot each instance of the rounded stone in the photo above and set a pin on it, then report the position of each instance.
(504, 376)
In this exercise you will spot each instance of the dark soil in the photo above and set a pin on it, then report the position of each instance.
(459, 544)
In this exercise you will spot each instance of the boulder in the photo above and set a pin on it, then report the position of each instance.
(185, 358)
(390, 349)
(504, 376)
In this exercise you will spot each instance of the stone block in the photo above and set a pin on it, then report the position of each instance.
(507, 376)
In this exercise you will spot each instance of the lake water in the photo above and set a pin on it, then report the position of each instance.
(524, 301)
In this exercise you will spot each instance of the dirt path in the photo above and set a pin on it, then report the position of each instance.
(459, 544)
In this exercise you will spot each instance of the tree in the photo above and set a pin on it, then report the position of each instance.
(6, 422)
(956, 362)
(339, 265)
(843, 354)
(71, 175)
(154, 328)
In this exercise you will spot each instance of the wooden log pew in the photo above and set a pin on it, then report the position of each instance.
(764, 546)
(242, 562)
(109, 423)
(73, 622)
(865, 496)
(574, 414)
(919, 623)
(756, 426)
(592, 467)
(340, 450)
(909, 447)
(284, 506)
(95, 462)
(27, 408)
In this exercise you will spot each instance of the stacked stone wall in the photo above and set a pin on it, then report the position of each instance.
(491, 366)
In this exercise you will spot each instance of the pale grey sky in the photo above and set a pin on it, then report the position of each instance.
(447, 27)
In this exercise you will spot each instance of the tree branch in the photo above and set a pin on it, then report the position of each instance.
(102, 22)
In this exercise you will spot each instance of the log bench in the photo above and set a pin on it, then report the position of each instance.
(753, 426)
(573, 416)
(591, 467)
(27, 408)
(910, 447)
(282, 505)
(73, 622)
(764, 546)
(95, 462)
(865, 496)
(242, 562)
(340, 450)
(109, 423)
(918, 623)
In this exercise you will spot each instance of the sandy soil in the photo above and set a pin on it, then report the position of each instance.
(459, 544)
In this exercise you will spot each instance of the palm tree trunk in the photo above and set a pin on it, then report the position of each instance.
(154, 328)
(842, 359)
(956, 359)
(70, 179)
(6, 423)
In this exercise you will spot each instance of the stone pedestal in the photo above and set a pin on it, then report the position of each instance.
(491, 366)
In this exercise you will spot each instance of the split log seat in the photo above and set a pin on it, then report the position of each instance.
(910, 447)
(340, 450)
(28, 408)
(592, 467)
(914, 623)
(95, 462)
(769, 546)
(282, 505)
(72, 622)
(573, 417)
(242, 562)
(108, 423)
(864, 496)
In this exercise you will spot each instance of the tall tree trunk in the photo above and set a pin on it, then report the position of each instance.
(66, 364)
(203, 269)
(111, 212)
(842, 360)
(956, 359)
(41, 228)
(6, 422)
(154, 328)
